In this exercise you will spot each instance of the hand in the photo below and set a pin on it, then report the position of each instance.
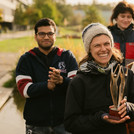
(123, 108)
(122, 120)
(122, 111)
(50, 85)
(55, 76)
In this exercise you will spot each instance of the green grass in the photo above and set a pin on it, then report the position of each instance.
(75, 30)
(25, 43)
(11, 82)
(64, 41)
(14, 45)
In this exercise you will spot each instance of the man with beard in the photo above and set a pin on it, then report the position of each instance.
(42, 77)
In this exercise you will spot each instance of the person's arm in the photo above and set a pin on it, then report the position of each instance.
(57, 77)
(130, 97)
(72, 68)
(25, 84)
(126, 109)
(75, 119)
(122, 111)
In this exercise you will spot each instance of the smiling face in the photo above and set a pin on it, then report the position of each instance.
(100, 49)
(123, 20)
(45, 42)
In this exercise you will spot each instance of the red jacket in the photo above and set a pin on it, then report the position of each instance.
(124, 40)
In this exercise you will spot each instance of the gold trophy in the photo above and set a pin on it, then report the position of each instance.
(117, 87)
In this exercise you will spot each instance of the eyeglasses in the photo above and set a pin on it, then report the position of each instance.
(43, 34)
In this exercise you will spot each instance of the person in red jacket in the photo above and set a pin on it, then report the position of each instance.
(122, 29)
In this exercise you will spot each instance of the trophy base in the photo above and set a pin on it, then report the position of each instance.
(113, 114)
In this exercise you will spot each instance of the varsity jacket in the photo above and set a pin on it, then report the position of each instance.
(88, 99)
(124, 41)
(44, 107)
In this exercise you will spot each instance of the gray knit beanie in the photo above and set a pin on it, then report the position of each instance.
(93, 29)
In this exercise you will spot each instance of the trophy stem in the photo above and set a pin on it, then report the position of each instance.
(117, 87)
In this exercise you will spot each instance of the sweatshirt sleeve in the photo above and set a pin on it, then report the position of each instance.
(76, 121)
(25, 84)
(71, 69)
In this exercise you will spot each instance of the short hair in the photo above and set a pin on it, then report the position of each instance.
(122, 7)
(45, 22)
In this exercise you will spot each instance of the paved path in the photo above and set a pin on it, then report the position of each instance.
(18, 34)
(7, 64)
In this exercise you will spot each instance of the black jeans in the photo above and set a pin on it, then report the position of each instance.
(46, 130)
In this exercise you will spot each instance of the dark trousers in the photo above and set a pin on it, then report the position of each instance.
(46, 130)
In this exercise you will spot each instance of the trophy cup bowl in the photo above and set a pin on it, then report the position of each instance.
(117, 87)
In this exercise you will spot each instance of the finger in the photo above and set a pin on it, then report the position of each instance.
(124, 105)
(111, 106)
(123, 111)
(56, 74)
(124, 100)
(53, 74)
(53, 81)
(122, 120)
(50, 80)
(123, 114)
(57, 71)
(50, 73)
(52, 68)
(54, 78)
(105, 117)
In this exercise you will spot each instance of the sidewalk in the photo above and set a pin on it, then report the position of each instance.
(7, 64)
(4, 92)
(18, 34)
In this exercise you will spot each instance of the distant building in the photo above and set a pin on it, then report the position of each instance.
(7, 10)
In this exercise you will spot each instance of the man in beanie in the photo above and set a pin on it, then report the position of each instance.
(89, 98)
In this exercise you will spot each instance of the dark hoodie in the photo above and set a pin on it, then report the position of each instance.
(88, 98)
(44, 107)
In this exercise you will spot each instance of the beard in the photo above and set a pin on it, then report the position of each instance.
(46, 48)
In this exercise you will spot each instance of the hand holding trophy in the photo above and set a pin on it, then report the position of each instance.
(117, 87)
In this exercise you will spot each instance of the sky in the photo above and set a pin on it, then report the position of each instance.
(73, 2)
